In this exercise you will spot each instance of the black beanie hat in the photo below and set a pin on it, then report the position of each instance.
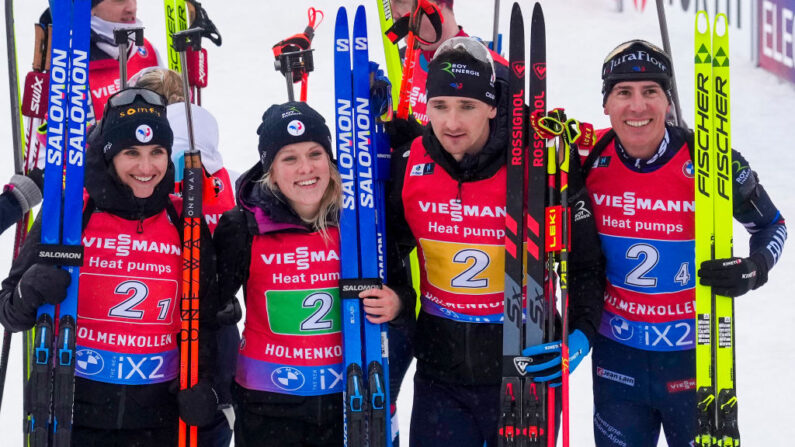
(456, 72)
(288, 123)
(636, 60)
(134, 124)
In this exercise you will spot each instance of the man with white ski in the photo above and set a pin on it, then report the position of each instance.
(640, 175)
(448, 198)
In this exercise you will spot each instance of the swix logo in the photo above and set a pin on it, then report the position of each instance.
(631, 204)
(302, 257)
(540, 69)
(36, 94)
(518, 69)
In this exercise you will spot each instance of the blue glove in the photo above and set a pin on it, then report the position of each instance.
(546, 364)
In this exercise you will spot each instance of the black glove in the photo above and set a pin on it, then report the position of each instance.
(41, 284)
(402, 132)
(734, 276)
(231, 313)
(198, 404)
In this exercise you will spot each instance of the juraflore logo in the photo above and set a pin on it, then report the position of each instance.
(637, 56)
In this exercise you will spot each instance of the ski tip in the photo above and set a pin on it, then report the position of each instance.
(516, 9)
(721, 26)
(538, 11)
(702, 22)
(342, 17)
(361, 13)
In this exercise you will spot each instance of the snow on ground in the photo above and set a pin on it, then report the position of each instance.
(243, 84)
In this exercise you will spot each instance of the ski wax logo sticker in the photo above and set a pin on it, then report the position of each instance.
(89, 362)
(518, 69)
(688, 169)
(296, 128)
(621, 328)
(540, 70)
(288, 379)
(144, 133)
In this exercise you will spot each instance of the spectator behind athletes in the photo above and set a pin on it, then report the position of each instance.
(217, 198)
(450, 29)
(103, 74)
(19, 196)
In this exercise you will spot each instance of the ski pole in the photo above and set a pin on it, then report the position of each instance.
(667, 47)
(16, 129)
(192, 215)
(496, 32)
(122, 38)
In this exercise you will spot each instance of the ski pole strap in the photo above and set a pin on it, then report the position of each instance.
(200, 19)
(351, 287)
(411, 23)
(301, 41)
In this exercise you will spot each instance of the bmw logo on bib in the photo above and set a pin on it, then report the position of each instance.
(287, 378)
(621, 329)
(89, 362)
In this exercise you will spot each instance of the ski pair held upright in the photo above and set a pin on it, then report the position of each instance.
(365, 388)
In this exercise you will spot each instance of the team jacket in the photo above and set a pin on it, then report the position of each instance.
(434, 200)
(103, 73)
(646, 222)
(127, 346)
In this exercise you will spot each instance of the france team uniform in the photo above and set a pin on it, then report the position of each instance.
(643, 358)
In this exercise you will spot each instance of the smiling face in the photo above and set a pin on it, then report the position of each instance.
(141, 168)
(301, 172)
(461, 124)
(116, 11)
(637, 111)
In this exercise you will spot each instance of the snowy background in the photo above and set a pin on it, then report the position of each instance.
(243, 84)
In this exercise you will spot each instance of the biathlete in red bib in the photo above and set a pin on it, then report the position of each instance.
(281, 243)
(128, 319)
(448, 200)
(640, 176)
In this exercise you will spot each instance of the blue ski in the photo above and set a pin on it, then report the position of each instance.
(365, 388)
(62, 210)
